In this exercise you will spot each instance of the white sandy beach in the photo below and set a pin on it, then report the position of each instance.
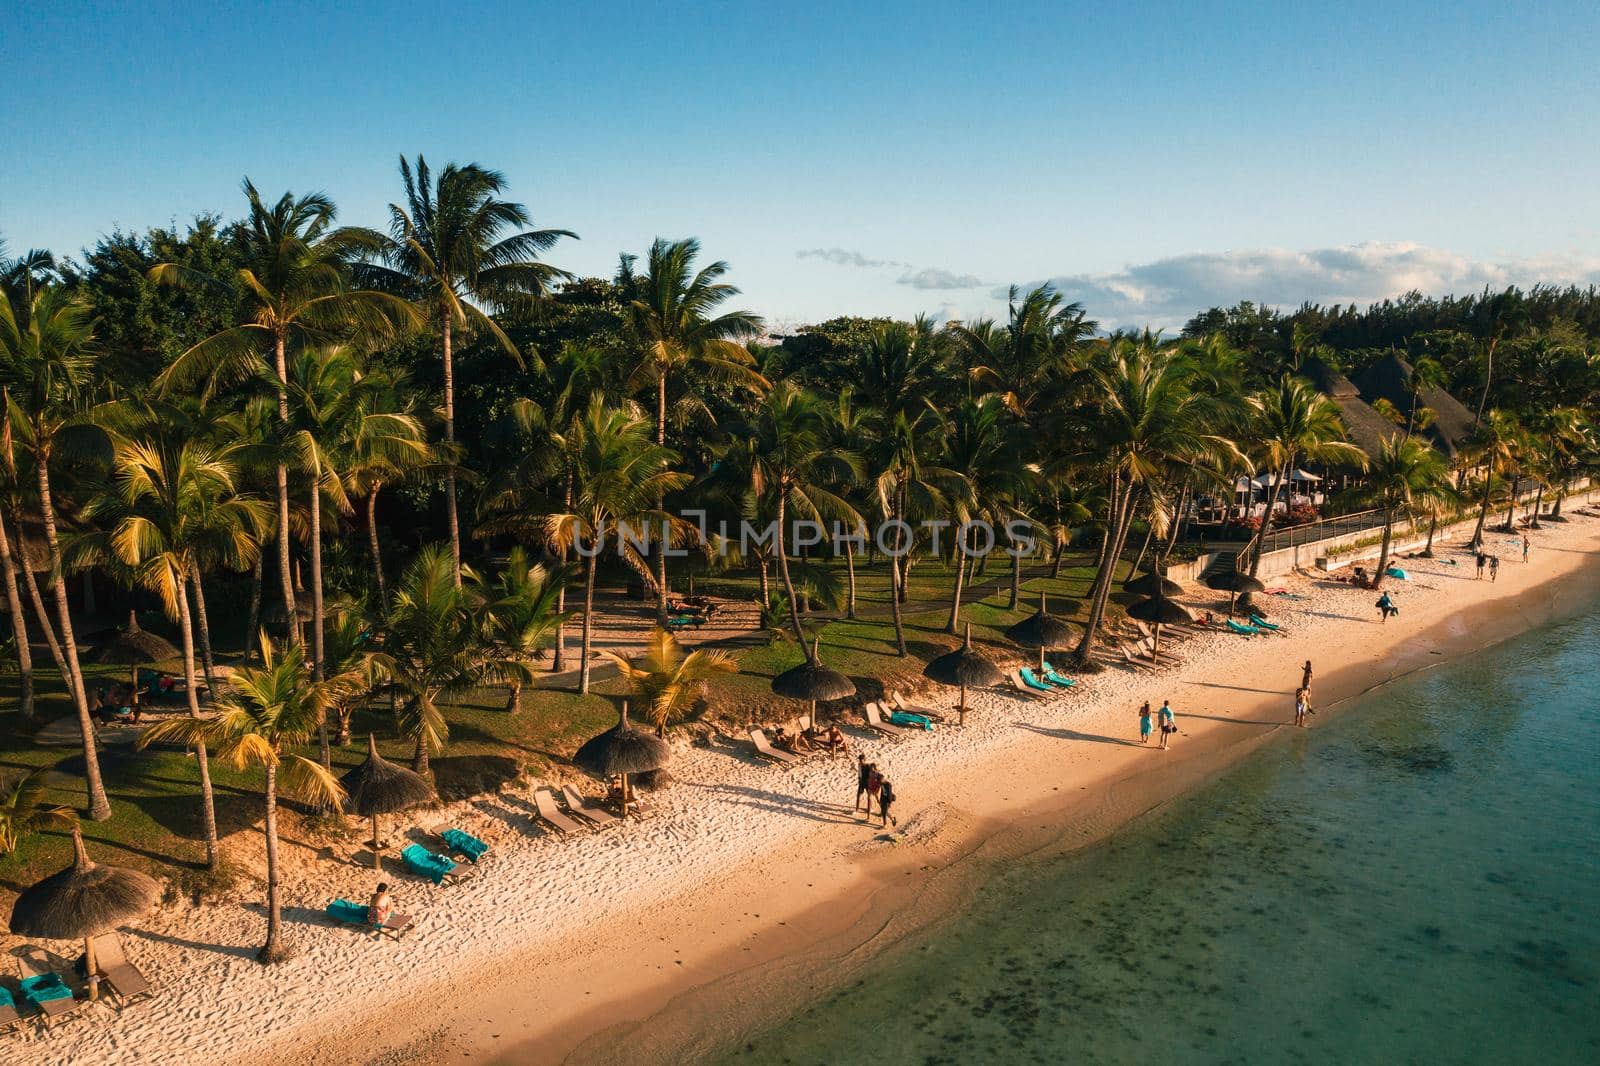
(554, 939)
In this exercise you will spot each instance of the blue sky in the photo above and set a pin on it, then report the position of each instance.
(862, 159)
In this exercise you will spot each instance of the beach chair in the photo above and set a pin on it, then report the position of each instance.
(910, 720)
(1059, 679)
(1029, 678)
(1242, 630)
(462, 843)
(9, 1018)
(1014, 682)
(43, 989)
(764, 747)
(544, 801)
(1133, 660)
(1262, 623)
(874, 715)
(586, 808)
(900, 704)
(436, 868)
(116, 972)
(348, 913)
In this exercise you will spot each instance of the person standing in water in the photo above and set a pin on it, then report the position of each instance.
(1144, 723)
(1300, 707)
(1169, 724)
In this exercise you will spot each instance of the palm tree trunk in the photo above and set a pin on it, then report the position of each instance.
(766, 585)
(514, 698)
(1117, 534)
(253, 617)
(1016, 575)
(1149, 534)
(285, 565)
(783, 571)
(450, 440)
(588, 624)
(19, 626)
(1483, 507)
(41, 615)
(324, 752)
(419, 758)
(1433, 525)
(1488, 376)
(1055, 567)
(559, 662)
(273, 950)
(204, 625)
(1266, 519)
(99, 805)
(954, 621)
(372, 543)
(850, 573)
(208, 803)
(895, 581)
(1383, 551)
(661, 503)
(1538, 502)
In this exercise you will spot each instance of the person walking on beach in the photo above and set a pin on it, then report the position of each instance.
(1483, 560)
(874, 788)
(1526, 545)
(1144, 723)
(1301, 698)
(1386, 606)
(864, 772)
(1494, 568)
(1169, 724)
(1305, 678)
(885, 801)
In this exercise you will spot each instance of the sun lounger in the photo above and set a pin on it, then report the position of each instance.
(42, 988)
(1262, 623)
(908, 720)
(764, 747)
(1243, 630)
(459, 842)
(1016, 684)
(1132, 659)
(900, 704)
(586, 808)
(1031, 679)
(544, 801)
(118, 974)
(9, 1018)
(874, 715)
(343, 910)
(1058, 679)
(436, 868)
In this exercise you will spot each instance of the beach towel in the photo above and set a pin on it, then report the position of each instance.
(1396, 572)
(908, 719)
(45, 986)
(465, 844)
(345, 911)
(434, 867)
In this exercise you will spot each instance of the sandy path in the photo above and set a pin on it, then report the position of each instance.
(744, 866)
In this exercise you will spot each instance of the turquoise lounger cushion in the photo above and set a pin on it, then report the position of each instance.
(346, 911)
(5, 998)
(44, 986)
(907, 719)
(1248, 631)
(433, 867)
(1033, 682)
(1051, 675)
(465, 843)
(1262, 622)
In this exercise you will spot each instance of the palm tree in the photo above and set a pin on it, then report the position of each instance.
(678, 329)
(909, 487)
(173, 500)
(294, 273)
(521, 617)
(990, 462)
(1494, 443)
(898, 367)
(432, 647)
(269, 710)
(618, 474)
(1294, 423)
(453, 245)
(666, 680)
(22, 808)
(46, 360)
(386, 444)
(350, 665)
(1041, 337)
(849, 428)
(1406, 473)
(786, 454)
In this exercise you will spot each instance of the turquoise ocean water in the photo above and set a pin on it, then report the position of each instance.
(1415, 881)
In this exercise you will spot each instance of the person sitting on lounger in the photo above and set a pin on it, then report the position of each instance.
(834, 741)
(783, 740)
(382, 905)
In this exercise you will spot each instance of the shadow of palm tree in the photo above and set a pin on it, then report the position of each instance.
(1073, 734)
(795, 806)
(237, 950)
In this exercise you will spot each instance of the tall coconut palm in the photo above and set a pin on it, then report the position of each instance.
(1294, 423)
(618, 474)
(898, 368)
(1406, 473)
(269, 710)
(909, 487)
(521, 617)
(990, 462)
(172, 502)
(666, 680)
(1036, 347)
(384, 444)
(849, 430)
(296, 280)
(47, 355)
(679, 330)
(455, 247)
(1494, 444)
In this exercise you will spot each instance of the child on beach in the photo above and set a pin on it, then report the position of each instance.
(1494, 568)
(1300, 707)
(1144, 724)
(885, 801)
(1169, 724)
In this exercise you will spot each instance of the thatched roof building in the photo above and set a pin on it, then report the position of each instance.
(1390, 379)
(1367, 428)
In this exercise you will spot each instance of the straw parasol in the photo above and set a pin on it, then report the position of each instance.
(813, 681)
(620, 751)
(1152, 584)
(84, 900)
(1156, 610)
(274, 614)
(378, 786)
(1041, 630)
(963, 667)
(1235, 582)
(134, 648)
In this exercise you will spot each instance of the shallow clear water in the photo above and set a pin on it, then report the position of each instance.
(1417, 880)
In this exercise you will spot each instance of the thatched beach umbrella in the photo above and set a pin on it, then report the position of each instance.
(274, 614)
(1236, 582)
(1152, 584)
(963, 667)
(1041, 630)
(1156, 610)
(813, 681)
(84, 900)
(134, 648)
(620, 751)
(378, 786)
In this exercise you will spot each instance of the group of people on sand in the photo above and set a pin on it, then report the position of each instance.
(1493, 563)
(1302, 696)
(1168, 721)
(873, 784)
(811, 739)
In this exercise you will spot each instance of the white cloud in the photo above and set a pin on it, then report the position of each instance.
(1167, 292)
(924, 278)
(846, 257)
(935, 278)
